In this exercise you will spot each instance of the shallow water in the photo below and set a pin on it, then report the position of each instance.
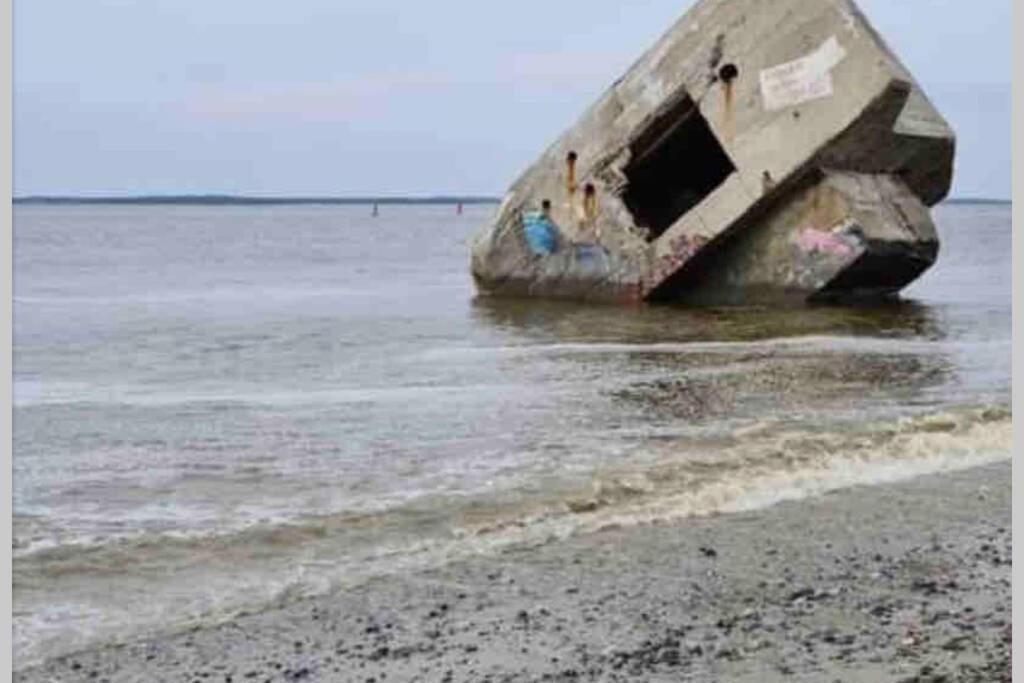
(221, 408)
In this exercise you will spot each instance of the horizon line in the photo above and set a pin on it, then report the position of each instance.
(313, 199)
(253, 199)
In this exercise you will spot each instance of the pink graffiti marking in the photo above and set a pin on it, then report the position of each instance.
(823, 242)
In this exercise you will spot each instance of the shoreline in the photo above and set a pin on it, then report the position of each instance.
(393, 199)
(905, 582)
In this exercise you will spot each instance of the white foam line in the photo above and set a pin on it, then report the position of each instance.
(913, 455)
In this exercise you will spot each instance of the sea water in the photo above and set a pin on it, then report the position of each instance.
(219, 409)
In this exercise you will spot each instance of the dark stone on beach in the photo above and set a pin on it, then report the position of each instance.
(880, 610)
(379, 654)
(727, 653)
(927, 586)
(708, 552)
(957, 644)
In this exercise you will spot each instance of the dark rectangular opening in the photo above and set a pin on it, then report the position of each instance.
(674, 164)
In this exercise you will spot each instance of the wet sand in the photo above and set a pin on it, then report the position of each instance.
(902, 582)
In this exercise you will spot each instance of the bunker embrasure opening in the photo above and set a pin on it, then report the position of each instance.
(674, 164)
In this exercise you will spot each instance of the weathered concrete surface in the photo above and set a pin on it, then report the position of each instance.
(759, 148)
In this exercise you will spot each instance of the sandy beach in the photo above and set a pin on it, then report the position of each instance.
(900, 582)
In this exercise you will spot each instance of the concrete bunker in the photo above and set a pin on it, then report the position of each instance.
(760, 119)
(675, 162)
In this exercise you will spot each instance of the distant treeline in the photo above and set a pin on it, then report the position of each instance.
(229, 200)
(977, 200)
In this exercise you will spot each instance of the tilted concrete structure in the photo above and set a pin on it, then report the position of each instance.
(761, 148)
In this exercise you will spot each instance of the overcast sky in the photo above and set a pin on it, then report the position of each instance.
(355, 97)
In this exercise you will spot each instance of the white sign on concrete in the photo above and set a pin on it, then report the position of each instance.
(801, 80)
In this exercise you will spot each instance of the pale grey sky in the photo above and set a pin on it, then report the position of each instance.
(355, 97)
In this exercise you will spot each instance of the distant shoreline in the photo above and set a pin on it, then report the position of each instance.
(233, 200)
(970, 200)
